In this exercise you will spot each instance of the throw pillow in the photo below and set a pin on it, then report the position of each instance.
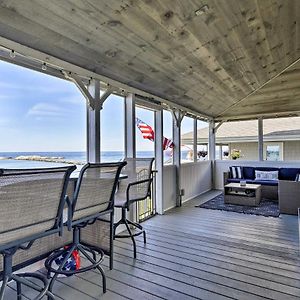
(266, 175)
(297, 177)
(236, 172)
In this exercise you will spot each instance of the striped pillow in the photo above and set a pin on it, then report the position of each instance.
(236, 172)
(297, 177)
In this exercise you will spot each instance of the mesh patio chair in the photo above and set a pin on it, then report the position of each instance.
(136, 187)
(32, 202)
(93, 200)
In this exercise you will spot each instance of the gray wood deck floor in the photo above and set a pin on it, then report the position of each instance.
(195, 253)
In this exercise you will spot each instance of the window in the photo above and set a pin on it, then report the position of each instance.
(42, 119)
(202, 140)
(112, 129)
(273, 151)
(168, 133)
(282, 139)
(187, 142)
(237, 140)
(144, 147)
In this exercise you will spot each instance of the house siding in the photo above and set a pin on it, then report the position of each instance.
(291, 150)
(249, 150)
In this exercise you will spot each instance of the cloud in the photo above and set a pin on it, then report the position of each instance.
(74, 99)
(42, 109)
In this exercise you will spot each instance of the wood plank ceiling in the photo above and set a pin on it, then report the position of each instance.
(207, 60)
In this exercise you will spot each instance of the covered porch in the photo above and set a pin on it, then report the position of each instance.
(214, 62)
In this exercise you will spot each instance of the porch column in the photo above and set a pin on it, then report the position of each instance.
(195, 141)
(159, 161)
(93, 124)
(130, 140)
(260, 139)
(130, 137)
(211, 141)
(212, 150)
(177, 118)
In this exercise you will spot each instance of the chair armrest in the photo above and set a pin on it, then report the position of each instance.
(68, 221)
(226, 175)
(132, 184)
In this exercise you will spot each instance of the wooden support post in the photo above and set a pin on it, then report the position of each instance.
(93, 124)
(195, 137)
(177, 118)
(130, 140)
(260, 139)
(212, 141)
(130, 128)
(212, 150)
(159, 161)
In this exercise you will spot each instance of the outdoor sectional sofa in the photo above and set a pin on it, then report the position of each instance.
(285, 190)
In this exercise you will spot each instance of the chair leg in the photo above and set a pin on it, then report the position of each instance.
(93, 261)
(115, 226)
(132, 238)
(70, 250)
(137, 225)
(3, 287)
(19, 291)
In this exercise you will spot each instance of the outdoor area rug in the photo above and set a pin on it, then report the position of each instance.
(266, 207)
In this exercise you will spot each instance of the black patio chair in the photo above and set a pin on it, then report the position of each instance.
(136, 187)
(31, 202)
(93, 199)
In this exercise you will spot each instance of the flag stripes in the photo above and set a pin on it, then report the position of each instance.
(148, 133)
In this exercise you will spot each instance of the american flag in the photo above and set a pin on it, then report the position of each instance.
(148, 133)
(145, 129)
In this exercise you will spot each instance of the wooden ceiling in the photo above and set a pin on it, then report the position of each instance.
(205, 55)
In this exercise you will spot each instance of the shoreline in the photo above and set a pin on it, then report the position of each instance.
(53, 159)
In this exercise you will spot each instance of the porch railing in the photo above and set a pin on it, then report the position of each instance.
(147, 208)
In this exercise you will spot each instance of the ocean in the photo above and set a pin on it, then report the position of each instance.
(8, 159)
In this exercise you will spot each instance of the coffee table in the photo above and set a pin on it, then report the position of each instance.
(249, 194)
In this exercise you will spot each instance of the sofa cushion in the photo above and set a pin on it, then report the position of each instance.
(266, 175)
(266, 169)
(235, 180)
(266, 182)
(248, 172)
(288, 173)
(262, 182)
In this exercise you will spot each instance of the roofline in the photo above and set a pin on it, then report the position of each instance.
(250, 139)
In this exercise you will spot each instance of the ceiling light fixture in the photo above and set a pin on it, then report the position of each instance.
(44, 67)
(12, 54)
(202, 10)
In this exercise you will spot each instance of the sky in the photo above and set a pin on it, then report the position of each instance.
(39, 113)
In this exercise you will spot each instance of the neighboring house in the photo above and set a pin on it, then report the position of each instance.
(281, 139)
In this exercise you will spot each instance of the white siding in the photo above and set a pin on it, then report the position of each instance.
(195, 180)
(169, 192)
(291, 150)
